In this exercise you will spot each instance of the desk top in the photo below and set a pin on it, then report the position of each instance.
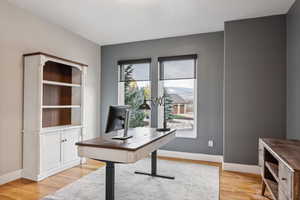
(141, 137)
(287, 150)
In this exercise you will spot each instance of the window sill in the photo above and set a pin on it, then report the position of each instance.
(184, 135)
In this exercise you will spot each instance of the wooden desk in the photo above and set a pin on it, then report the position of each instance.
(143, 142)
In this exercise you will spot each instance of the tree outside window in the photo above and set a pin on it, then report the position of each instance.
(135, 86)
(135, 92)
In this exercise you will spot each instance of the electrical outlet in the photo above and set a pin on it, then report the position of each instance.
(210, 143)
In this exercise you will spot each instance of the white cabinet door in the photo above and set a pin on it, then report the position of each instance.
(51, 150)
(69, 151)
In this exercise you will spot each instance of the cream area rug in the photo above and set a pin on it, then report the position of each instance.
(192, 182)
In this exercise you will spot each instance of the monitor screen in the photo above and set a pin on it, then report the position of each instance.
(116, 118)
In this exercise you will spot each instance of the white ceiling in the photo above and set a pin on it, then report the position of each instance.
(119, 21)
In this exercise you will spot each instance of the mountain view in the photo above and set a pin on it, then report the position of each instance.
(184, 93)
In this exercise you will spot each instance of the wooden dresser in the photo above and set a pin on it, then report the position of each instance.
(280, 168)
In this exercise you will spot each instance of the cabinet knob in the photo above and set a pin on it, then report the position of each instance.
(283, 179)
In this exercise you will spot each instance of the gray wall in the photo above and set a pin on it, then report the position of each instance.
(293, 72)
(21, 33)
(254, 85)
(210, 50)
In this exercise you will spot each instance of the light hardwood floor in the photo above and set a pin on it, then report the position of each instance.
(233, 186)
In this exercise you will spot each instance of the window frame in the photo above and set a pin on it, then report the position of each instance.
(195, 90)
(121, 83)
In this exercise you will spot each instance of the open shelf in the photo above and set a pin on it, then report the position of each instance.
(273, 169)
(270, 175)
(62, 92)
(60, 84)
(61, 95)
(58, 72)
(272, 187)
(53, 117)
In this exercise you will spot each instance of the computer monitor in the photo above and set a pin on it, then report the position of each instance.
(118, 119)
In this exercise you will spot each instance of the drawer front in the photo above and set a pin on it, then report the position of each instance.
(285, 180)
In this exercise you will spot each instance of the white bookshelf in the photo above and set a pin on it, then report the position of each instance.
(54, 114)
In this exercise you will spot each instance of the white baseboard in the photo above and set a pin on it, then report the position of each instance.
(10, 176)
(45, 174)
(190, 156)
(252, 169)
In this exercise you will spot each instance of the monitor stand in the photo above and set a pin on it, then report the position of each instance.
(163, 129)
(125, 135)
(122, 137)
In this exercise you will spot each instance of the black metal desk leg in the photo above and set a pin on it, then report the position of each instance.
(154, 163)
(110, 181)
(154, 168)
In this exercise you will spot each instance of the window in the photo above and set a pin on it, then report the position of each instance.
(134, 85)
(177, 81)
